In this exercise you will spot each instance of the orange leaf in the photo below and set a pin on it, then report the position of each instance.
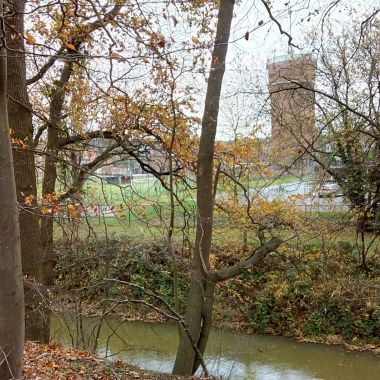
(70, 46)
(30, 40)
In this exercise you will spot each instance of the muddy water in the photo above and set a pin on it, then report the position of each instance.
(229, 355)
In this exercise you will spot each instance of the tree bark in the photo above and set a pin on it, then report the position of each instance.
(201, 294)
(11, 284)
(50, 170)
(20, 122)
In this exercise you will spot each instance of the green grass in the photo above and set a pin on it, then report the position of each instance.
(146, 210)
(343, 216)
(154, 192)
(142, 193)
(151, 192)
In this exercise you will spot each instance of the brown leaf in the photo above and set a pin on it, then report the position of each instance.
(175, 21)
(195, 40)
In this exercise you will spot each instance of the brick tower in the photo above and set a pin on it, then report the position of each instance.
(292, 107)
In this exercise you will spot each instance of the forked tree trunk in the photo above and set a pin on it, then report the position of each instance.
(198, 314)
(37, 315)
(11, 284)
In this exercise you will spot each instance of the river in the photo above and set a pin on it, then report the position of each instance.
(230, 355)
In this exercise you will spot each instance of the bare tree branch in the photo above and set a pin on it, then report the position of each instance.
(258, 255)
(282, 31)
(43, 70)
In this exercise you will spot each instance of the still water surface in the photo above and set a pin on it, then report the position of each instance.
(229, 355)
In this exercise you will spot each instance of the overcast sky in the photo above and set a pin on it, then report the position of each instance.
(246, 62)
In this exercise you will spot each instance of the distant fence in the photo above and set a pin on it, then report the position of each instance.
(143, 178)
(322, 207)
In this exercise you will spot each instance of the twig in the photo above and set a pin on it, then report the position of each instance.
(282, 31)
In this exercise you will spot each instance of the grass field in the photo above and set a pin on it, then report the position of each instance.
(151, 190)
(146, 209)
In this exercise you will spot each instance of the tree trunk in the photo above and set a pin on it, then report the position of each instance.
(47, 221)
(20, 122)
(201, 295)
(11, 285)
(53, 136)
(50, 171)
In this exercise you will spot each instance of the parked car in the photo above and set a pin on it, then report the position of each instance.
(329, 189)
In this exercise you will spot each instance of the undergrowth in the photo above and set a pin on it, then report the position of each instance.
(302, 290)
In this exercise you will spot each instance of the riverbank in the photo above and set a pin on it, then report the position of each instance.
(313, 291)
(65, 304)
(55, 362)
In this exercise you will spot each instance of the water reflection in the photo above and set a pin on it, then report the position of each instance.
(230, 355)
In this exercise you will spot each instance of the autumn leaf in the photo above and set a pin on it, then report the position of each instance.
(45, 210)
(30, 40)
(161, 41)
(73, 211)
(70, 46)
(195, 40)
(175, 21)
(29, 199)
(19, 142)
(117, 56)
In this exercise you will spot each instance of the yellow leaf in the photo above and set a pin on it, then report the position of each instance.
(70, 46)
(30, 40)
(29, 199)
